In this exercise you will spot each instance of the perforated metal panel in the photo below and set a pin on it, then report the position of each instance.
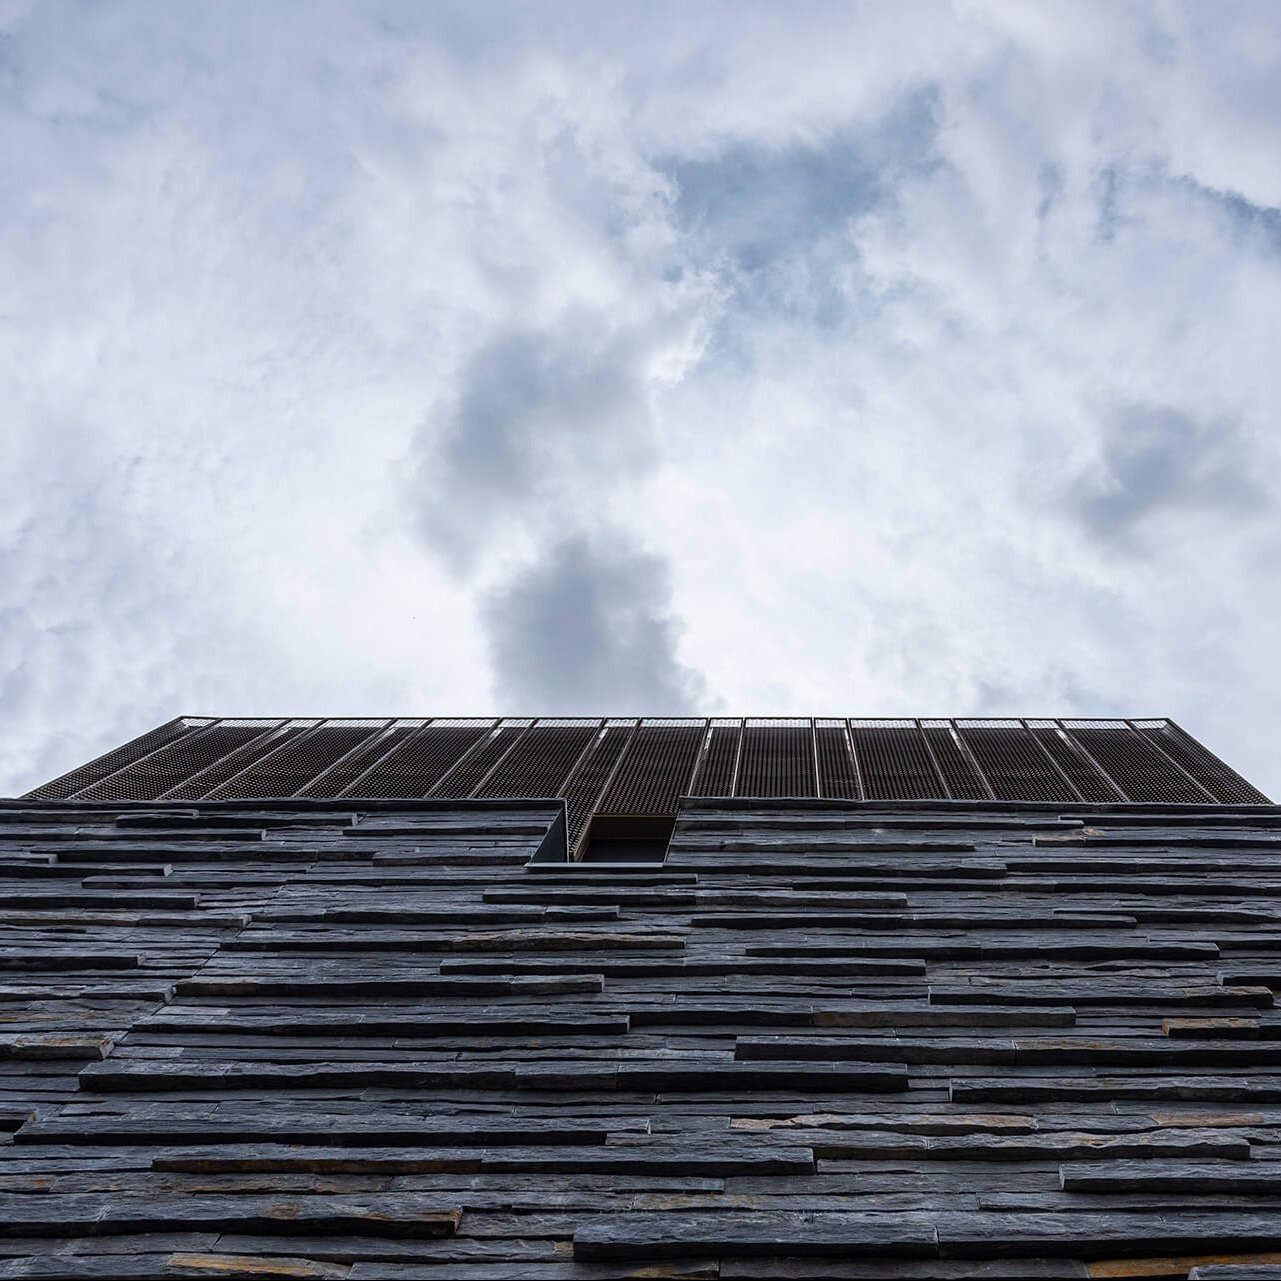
(1223, 783)
(541, 762)
(717, 768)
(1089, 781)
(420, 762)
(181, 728)
(964, 783)
(888, 759)
(1014, 764)
(777, 759)
(198, 786)
(589, 780)
(344, 771)
(894, 762)
(1141, 771)
(463, 780)
(837, 774)
(656, 770)
(288, 770)
(160, 772)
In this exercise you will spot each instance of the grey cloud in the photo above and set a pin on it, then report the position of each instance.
(1158, 461)
(1108, 191)
(1248, 226)
(535, 412)
(1251, 223)
(588, 629)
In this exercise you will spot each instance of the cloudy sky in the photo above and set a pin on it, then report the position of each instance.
(413, 358)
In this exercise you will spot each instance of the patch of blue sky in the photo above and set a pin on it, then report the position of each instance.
(756, 206)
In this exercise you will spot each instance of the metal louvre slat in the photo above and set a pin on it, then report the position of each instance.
(1080, 770)
(287, 771)
(1222, 782)
(411, 769)
(836, 773)
(1015, 766)
(542, 761)
(584, 787)
(346, 769)
(470, 772)
(97, 770)
(896, 765)
(1138, 769)
(158, 774)
(777, 761)
(959, 774)
(716, 770)
(198, 786)
(656, 770)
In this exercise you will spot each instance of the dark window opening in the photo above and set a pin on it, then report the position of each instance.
(621, 838)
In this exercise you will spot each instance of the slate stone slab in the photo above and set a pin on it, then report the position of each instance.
(753, 1233)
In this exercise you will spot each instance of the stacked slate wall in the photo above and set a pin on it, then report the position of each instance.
(823, 1039)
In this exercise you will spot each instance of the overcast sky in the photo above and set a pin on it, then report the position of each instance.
(837, 359)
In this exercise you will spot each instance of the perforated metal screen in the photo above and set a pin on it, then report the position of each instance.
(778, 759)
(960, 774)
(150, 775)
(719, 763)
(623, 768)
(656, 770)
(1014, 763)
(414, 766)
(1085, 777)
(837, 775)
(1141, 771)
(336, 778)
(895, 763)
(541, 762)
(466, 778)
(258, 742)
(584, 787)
(293, 765)
(1222, 783)
(79, 780)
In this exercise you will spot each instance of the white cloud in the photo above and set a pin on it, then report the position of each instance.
(327, 328)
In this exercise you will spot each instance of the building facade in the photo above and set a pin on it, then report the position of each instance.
(604, 999)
